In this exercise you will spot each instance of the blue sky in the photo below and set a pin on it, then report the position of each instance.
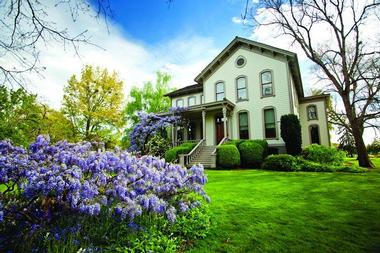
(156, 21)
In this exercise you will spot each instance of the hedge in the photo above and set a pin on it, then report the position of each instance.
(228, 156)
(172, 154)
(282, 162)
(324, 155)
(251, 153)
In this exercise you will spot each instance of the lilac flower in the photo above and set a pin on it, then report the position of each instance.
(73, 177)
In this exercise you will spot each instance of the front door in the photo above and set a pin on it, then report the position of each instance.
(219, 126)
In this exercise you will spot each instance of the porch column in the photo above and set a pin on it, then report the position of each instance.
(173, 134)
(204, 125)
(225, 121)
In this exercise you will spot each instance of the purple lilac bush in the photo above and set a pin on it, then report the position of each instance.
(150, 124)
(53, 179)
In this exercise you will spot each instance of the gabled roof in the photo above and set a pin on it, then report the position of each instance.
(186, 90)
(239, 42)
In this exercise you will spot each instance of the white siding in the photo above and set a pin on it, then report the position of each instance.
(256, 63)
(321, 121)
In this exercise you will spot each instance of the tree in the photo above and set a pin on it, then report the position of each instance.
(291, 133)
(93, 103)
(56, 125)
(26, 26)
(346, 141)
(349, 61)
(20, 116)
(149, 99)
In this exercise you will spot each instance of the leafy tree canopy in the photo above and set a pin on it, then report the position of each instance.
(93, 103)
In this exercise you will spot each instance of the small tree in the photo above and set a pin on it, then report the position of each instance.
(291, 133)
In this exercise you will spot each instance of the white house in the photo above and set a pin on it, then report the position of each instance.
(242, 94)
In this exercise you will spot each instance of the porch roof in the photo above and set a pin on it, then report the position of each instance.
(211, 106)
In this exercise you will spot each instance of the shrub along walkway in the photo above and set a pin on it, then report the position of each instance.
(264, 211)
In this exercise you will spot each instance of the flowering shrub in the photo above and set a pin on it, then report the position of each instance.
(51, 181)
(151, 124)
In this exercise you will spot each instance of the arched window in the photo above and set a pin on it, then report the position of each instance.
(314, 134)
(266, 80)
(191, 101)
(241, 88)
(312, 112)
(219, 91)
(179, 102)
(270, 123)
(243, 125)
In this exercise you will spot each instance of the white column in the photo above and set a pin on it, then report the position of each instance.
(225, 121)
(204, 124)
(173, 134)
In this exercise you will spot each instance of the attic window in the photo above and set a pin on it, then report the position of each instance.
(240, 62)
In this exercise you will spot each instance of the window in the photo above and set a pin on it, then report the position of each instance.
(219, 87)
(202, 99)
(312, 112)
(241, 88)
(270, 123)
(240, 62)
(266, 83)
(191, 101)
(179, 102)
(243, 125)
(314, 134)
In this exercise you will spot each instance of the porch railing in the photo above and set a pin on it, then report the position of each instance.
(185, 159)
(219, 144)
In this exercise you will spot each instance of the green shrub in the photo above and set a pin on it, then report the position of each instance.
(228, 156)
(291, 133)
(172, 154)
(323, 154)
(234, 142)
(282, 162)
(351, 169)
(305, 165)
(157, 146)
(251, 153)
(264, 144)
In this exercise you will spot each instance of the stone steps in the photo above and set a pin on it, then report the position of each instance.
(204, 157)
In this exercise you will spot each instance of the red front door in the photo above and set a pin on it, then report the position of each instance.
(219, 126)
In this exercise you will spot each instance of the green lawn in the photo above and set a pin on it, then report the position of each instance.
(264, 211)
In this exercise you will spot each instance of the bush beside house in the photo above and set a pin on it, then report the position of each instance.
(251, 154)
(282, 162)
(172, 154)
(291, 133)
(228, 156)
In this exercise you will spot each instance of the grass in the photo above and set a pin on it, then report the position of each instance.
(265, 211)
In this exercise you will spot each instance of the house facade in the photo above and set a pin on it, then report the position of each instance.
(243, 93)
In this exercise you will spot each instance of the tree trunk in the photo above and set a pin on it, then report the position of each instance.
(361, 149)
(357, 132)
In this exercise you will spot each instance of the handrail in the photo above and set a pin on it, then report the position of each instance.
(219, 144)
(195, 151)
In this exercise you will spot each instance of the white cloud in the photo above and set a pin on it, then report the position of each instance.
(239, 20)
(182, 57)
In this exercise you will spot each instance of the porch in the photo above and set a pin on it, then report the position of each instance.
(207, 126)
(208, 121)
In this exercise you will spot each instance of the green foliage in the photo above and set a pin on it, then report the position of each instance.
(374, 147)
(93, 103)
(148, 99)
(306, 165)
(234, 142)
(323, 154)
(228, 156)
(20, 116)
(157, 146)
(172, 154)
(149, 233)
(291, 133)
(264, 144)
(56, 125)
(251, 153)
(282, 162)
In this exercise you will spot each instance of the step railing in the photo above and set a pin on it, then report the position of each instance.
(185, 159)
(213, 154)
